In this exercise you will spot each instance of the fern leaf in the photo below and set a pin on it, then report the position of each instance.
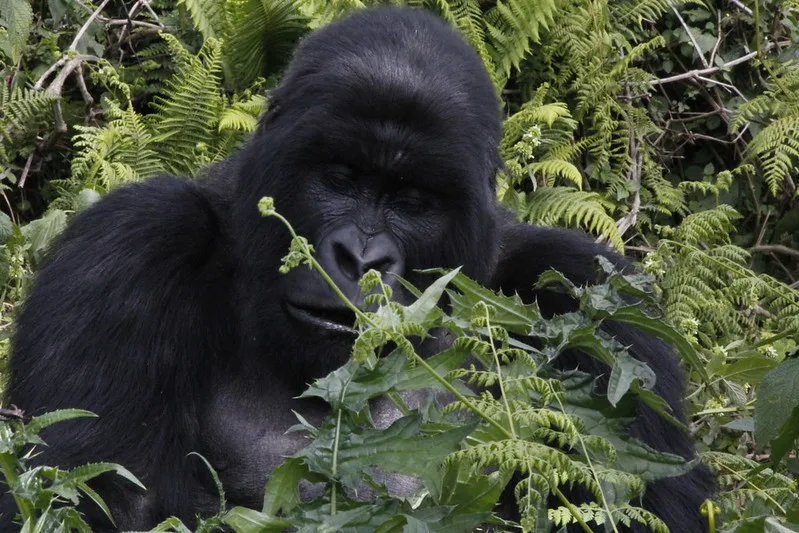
(563, 205)
(188, 110)
(554, 168)
(208, 16)
(263, 35)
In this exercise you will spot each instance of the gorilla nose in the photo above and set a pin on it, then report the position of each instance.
(354, 260)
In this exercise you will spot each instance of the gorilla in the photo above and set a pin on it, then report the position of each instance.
(162, 310)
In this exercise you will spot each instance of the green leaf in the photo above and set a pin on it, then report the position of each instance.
(249, 521)
(97, 499)
(658, 328)
(282, 490)
(777, 409)
(67, 485)
(392, 373)
(40, 422)
(766, 525)
(509, 312)
(420, 310)
(16, 16)
(6, 227)
(625, 370)
(747, 370)
(401, 448)
(41, 232)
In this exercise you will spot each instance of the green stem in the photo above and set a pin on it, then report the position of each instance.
(711, 516)
(460, 397)
(499, 372)
(8, 465)
(334, 467)
(572, 509)
(590, 467)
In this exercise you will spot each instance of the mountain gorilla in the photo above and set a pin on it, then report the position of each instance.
(161, 308)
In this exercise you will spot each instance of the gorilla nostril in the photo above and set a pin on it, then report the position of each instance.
(347, 262)
(381, 264)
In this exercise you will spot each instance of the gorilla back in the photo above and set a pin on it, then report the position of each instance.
(161, 308)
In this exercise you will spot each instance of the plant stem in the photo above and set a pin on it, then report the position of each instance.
(8, 466)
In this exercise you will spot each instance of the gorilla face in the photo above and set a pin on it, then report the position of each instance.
(383, 161)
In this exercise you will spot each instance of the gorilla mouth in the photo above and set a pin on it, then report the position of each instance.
(334, 319)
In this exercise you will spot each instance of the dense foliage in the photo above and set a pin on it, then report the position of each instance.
(667, 129)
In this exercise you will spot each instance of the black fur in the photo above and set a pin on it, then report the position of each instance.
(162, 310)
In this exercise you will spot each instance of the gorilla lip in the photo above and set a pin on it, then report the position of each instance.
(337, 319)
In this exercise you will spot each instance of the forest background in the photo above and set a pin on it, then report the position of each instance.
(668, 129)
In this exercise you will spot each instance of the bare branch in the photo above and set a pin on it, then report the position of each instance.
(690, 36)
(704, 71)
(775, 248)
(79, 35)
(742, 7)
(25, 171)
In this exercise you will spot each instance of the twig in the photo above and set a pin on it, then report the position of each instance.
(775, 248)
(762, 230)
(123, 22)
(729, 86)
(84, 91)
(146, 5)
(690, 36)
(703, 71)
(82, 30)
(47, 73)
(8, 202)
(25, 171)
(742, 7)
(633, 177)
(715, 50)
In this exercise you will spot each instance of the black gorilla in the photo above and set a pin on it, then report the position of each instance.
(161, 309)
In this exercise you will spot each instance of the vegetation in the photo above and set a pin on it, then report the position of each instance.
(667, 129)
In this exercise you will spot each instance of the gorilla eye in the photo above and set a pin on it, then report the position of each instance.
(414, 198)
(338, 175)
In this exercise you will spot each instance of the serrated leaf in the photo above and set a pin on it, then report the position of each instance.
(40, 422)
(68, 484)
(401, 448)
(510, 312)
(282, 490)
(657, 328)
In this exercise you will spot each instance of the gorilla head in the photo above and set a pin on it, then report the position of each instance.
(381, 147)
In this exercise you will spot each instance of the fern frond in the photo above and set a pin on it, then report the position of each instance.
(563, 205)
(554, 168)
(511, 25)
(263, 36)
(20, 109)
(208, 16)
(242, 116)
(777, 148)
(188, 110)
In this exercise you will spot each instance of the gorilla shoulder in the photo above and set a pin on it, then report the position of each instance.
(168, 222)
(122, 272)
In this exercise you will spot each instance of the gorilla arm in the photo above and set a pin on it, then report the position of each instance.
(527, 251)
(111, 325)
